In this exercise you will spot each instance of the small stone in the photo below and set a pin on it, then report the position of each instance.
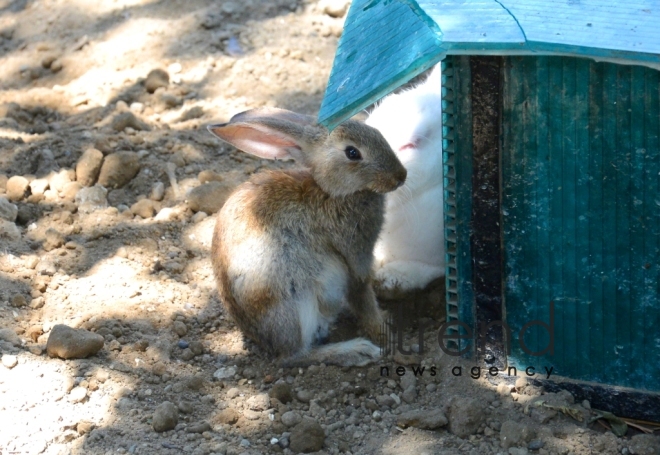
(251, 415)
(17, 187)
(192, 113)
(200, 427)
(334, 8)
(58, 181)
(228, 416)
(156, 79)
(207, 176)
(465, 416)
(536, 444)
(225, 373)
(54, 239)
(89, 166)
(39, 186)
(118, 169)
(515, 434)
(307, 436)
(304, 396)
(259, 402)
(157, 191)
(9, 361)
(187, 355)
(385, 400)
(165, 417)
(180, 328)
(282, 392)
(644, 444)
(425, 420)
(291, 418)
(197, 347)
(9, 230)
(144, 208)
(102, 376)
(68, 343)
(183, 344)
(125, 120)
(8, 211)
(91, 199)
(18, 301)
(186, 407)
(77, 394)
(233, 393)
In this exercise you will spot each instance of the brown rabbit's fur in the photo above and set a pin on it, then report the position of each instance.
(292, 248)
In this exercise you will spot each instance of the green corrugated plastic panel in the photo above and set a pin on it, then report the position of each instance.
(387, 42)
(384, 44)
(457, 156)
(581, 216)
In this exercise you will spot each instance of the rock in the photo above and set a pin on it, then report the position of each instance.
(39, 186)
(304, 396)
(58, 181)
(8, 211)
(644, 444)
(54, 239)
(291, 418)
(89, 166)
(543, 414)
(465, 416)
(233, 393)
(225, 373)
(144, 208)
(157, 191)
(409, 395)
(125, 120)
(9, 230)
(77, 394)
(407, 381)
(385, 400)
(10, 336)
(84, 427)
(156, 79)
(192, 113)
(18, 301)
(197, 347)
(187, 355)
(515, 434)
(536, 444)
(334, 8)
(68, 343)
(165, 417)
(307, 436)
(228, 416)
(282, 392)
(9, 361)
(180, 328)
(259, 402)
(118, 169)
(91, 199)
(200, 427)
(70, 190)
(207, 176)
(186, 407)
(518, 451)
(425, 420)
(17, 187)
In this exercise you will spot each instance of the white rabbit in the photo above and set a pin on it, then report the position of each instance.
(410, 252)
(292, 249)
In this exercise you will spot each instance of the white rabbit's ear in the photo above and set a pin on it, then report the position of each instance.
(279, 140)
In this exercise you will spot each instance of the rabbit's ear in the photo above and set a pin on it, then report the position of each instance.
(274, 113)
(270, 138)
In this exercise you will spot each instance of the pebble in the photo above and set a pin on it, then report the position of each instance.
(304, 396)
(192, 113)
(200, 427)
(197, 347)
(54, 239)
(39, 186)
(514, 433)
(77, 394)
(91, 199)
(89, 166)
(186, 407)
(9, 230)
(180, 328)
(423, 419)
(465, 416)
(165, 417)
(536, 444)
(259, 402)
(59, 180)
(233, 393)
(157, 191)
(69, 343)
(118, 169)
(8, 211)
(9, 361)
(144, 208)
(17, 187)
(334, 8)
(307, 436)
(291, 418)
(207, 176)
(282, 392)
(183, 344)
(228, 416)
(225, 373)
(84, 427)
(209, 197)
(156, 79)
(18, 301)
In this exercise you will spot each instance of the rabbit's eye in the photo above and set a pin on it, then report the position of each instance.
(352, 153)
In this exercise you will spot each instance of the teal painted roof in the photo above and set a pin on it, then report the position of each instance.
(387, 42)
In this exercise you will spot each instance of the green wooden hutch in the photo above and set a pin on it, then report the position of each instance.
(551, 114)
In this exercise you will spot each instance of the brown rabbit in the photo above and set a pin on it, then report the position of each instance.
(292, 249)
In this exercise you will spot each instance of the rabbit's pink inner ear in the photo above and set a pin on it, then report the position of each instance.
(264, 143)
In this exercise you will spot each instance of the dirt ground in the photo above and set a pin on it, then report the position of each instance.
(130, 261)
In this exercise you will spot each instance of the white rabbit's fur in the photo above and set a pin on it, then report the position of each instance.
(410, 251)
